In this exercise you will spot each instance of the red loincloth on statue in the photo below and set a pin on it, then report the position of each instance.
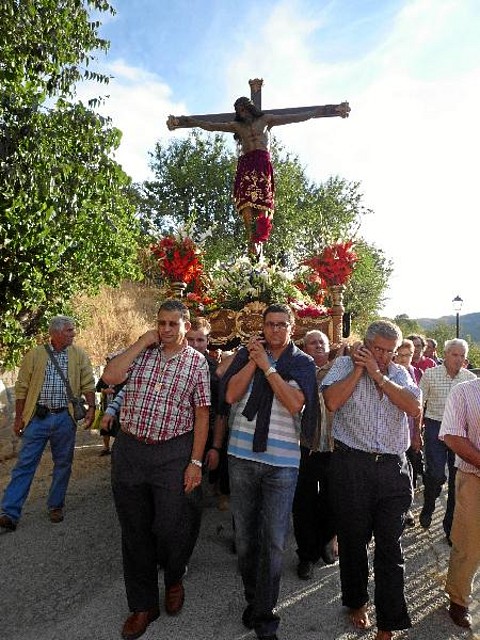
(254, 186)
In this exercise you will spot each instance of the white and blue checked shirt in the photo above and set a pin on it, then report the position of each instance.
(369, 421)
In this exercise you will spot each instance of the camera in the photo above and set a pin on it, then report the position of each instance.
(41, 411)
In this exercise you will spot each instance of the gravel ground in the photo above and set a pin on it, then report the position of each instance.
(64, 581)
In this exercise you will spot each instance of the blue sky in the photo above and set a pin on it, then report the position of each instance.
(410, 70)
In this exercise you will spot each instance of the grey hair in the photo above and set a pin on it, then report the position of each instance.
(324, 337)
(58, 323)
(384, 329)
(456, 342)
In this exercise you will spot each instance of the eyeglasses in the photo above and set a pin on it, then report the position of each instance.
(380, 352)
(281, 326)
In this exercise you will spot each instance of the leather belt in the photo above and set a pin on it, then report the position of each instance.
(56, 410)
(143, 439)
(375, 455)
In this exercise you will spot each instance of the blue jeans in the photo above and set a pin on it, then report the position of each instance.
(58, 429)
(261, 500)
(437, 457)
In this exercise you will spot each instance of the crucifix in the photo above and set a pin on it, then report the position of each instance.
(254, 192)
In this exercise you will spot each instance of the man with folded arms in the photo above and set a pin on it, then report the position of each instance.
(272, 387)
(156, 461)
(460, 431)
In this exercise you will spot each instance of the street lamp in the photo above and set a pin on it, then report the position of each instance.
(457, 307)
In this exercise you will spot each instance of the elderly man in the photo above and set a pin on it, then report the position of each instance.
(370, 474)
(268, 384)
(157, 461)
(43, 413)
(436, 384)
(313, 520)
(460, 431)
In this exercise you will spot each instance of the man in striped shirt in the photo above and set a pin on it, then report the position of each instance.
(156, 461)
(436, 384)
(460, 431)
(371, 483)
(271, 385)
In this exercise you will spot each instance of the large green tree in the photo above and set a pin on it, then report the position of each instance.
(193, 180)
(67, 222)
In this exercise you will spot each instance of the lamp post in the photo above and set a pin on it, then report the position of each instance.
(457, 307)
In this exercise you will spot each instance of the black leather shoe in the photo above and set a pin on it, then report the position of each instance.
(460, 615)
(247, 616)
(425, 520)
(137, 622)
(305, 569)
(7, 523)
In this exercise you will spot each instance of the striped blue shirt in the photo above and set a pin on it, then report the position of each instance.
(283, 446)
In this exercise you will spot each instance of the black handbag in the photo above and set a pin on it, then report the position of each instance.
(79, 410)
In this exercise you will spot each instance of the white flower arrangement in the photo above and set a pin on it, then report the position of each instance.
(236, 283)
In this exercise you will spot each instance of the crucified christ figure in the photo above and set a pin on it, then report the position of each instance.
(254, 191)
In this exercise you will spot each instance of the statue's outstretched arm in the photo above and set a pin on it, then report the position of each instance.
(185, 122)
(341, 110)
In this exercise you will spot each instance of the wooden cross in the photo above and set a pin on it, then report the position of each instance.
(327, 111)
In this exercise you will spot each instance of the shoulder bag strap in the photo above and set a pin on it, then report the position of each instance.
(62, 375)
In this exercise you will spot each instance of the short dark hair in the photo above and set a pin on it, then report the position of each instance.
(175, 305)
(277, 307)
(420, 338)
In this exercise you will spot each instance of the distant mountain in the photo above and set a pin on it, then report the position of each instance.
(469, 324)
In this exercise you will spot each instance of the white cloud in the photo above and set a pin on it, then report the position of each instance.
(139, 103)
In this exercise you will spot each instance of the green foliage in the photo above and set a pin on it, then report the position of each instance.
(365, 292)
(193, 181)
(66, 216)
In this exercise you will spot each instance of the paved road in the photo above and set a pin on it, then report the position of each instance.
(64, 582)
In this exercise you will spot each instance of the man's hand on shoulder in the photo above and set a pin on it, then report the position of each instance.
(149, 339)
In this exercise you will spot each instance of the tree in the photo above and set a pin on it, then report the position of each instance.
(194, 178)
(66, 218)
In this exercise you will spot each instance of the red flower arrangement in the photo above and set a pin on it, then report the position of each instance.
(335, 264)
(178, 258)
(303, 310)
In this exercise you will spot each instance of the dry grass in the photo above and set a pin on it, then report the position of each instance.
(115, 318)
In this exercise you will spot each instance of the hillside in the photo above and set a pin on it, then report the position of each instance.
(469, 324)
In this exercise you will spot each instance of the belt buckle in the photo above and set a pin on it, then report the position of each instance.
(378, 457)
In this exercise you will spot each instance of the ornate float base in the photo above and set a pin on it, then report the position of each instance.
(230, 326)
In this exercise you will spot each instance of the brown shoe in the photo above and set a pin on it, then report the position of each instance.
(56, 515)
(137, 622)
(174, 597)
(460, 615)
(7, 523)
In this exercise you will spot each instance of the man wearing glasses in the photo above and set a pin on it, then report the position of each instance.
(272, 389)
(370, 474)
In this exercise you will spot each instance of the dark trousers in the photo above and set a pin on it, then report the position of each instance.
(437, 457)
(159, 522)
(371, 497)
(313, 520)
